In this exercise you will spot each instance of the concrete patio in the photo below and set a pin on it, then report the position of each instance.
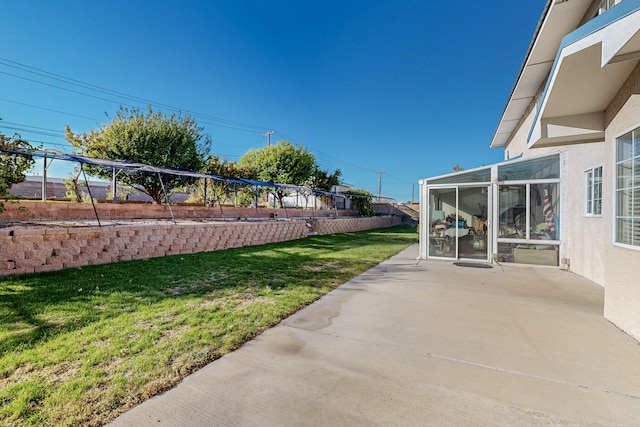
(426, 343)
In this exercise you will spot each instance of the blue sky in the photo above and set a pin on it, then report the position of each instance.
(409, 88)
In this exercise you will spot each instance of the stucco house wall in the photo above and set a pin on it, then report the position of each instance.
(621, 279)
(586, 236)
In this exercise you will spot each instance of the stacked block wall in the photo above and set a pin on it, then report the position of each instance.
(36, 249)
(28, 250)
(348, 225)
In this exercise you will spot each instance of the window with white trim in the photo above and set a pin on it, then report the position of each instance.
(627, 219)
(593, 190)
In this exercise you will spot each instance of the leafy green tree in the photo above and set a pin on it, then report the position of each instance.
(282, 163)
(152, 138)
(222, 191)
(323, 180)
(361, 200)
(12, 167)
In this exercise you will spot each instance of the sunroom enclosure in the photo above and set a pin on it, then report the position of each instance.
(508, 212)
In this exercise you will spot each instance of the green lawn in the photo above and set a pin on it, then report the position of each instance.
(81, 346)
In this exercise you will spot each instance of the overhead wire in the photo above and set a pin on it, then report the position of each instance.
(326, 156)
(48, 109)
(203, 118)
(63, 88)
(31, 129)
(65, 145)
(71, 81)
(341, 161)
(231, 125)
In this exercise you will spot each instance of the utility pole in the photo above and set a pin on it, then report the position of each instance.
(268, 135)
(379, 183)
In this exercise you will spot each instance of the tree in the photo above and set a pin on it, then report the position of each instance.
(153, 138)
(361, 201)
(221, 190)
(282, 163)
(12, 166)
(322, 180)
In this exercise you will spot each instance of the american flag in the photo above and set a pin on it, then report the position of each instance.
(548, 216)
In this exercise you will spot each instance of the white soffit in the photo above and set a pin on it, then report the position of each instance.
(587, 75)
(517, 105)
(580, 85)
(531, 80)
(560, 19)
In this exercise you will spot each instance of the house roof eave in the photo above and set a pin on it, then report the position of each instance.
(558, 19)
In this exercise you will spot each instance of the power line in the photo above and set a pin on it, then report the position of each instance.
(208, 119)
(100, 89)
(202, 118)
(31, 129)
(68, 80)
(63, 88)
(28, 126)
(48, 109)
(330, 158)
(57, 144)
(284, 135)
(400, 180)
(343, 162)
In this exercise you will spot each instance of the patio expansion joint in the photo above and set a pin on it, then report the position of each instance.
(436, 356)
(532, 376)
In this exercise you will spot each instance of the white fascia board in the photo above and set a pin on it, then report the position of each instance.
(617, 35)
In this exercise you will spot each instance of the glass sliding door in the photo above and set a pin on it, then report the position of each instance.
(457, 221)
(442, 208)
(472, 210)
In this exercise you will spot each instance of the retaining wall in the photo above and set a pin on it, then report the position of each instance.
(409, 211)
(36, 249)
(28, 250)
(340, 225)
(65, 211)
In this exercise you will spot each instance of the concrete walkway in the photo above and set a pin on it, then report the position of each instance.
(426, 344)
